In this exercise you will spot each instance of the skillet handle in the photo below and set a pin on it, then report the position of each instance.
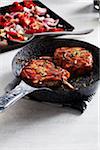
(14, 95)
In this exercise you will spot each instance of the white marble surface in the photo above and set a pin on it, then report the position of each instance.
(29, 125)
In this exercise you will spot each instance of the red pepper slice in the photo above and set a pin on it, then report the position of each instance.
(15, 36)
(16, 7)
(2, 21)
(29, 3)
(31, 31)
(56, 29)
(41, 30)
(13, 33)
(25, 21)
(32, 20)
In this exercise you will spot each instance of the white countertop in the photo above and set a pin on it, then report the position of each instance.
(30, 125)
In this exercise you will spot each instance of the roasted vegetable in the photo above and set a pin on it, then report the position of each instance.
(31, 17)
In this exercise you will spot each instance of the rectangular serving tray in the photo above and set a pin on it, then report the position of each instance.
(12, 46)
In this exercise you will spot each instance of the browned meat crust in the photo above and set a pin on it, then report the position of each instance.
(76, 60)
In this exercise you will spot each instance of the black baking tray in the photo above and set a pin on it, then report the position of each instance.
(12, 46)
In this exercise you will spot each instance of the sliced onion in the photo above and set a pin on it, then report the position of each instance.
(19, 29)
(40, 11)
(46, 25)
(8, 15)
(27, 10)
(51, 23)
(33, 9)
(39, 18)
(50, 20)
(13, 14)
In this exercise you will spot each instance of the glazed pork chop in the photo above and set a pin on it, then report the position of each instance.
(42, 72)
(76, 60)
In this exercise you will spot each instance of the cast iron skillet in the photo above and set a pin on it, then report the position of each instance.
(85, 85)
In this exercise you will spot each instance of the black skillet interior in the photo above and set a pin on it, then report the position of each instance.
(13, 45)
(86, 84)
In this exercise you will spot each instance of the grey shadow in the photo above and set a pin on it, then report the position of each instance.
(26, 113)
(4, 80)
(26, 109)
(86, 9)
